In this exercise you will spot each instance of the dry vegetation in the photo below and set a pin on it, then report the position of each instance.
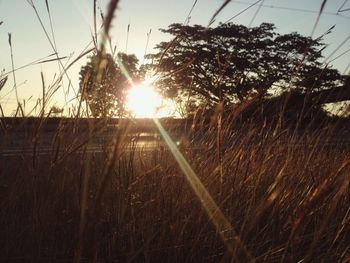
(285, 193)
(287, 198)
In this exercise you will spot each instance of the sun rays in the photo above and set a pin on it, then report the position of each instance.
(143, 101)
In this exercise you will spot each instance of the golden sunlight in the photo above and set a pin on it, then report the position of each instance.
(144, 102)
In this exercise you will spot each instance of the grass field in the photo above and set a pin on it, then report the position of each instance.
(235, 190)
(286, 198)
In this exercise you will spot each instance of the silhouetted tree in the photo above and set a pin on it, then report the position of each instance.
(55, 111)
(104, 84)
(232, 62)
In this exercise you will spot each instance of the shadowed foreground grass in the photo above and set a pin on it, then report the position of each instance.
(286, 196)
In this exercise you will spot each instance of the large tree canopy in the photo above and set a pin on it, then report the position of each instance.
(104, 84)
(233, 62)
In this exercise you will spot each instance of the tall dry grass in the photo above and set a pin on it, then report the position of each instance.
(285, 191)
(288, 198)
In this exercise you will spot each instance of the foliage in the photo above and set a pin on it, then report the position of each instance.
(103, 83)
(232, 63)
(56, 111)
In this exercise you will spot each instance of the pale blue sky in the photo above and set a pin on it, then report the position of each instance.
(72, 22)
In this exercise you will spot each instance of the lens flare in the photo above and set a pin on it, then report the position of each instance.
(223, 226)
(143, 101)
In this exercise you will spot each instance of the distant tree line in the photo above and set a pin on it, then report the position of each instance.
(226, 64)
(104, 83)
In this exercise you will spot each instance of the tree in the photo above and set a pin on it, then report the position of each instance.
(56, 111)
(104, 84)
(231, 63)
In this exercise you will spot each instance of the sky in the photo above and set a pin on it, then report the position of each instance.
(72, 22)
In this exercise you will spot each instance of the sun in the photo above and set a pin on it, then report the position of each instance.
(143, 101)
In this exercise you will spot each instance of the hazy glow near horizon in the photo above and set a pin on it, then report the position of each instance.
(144, 101)
(72, 18)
